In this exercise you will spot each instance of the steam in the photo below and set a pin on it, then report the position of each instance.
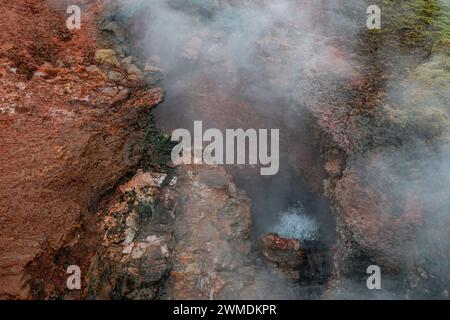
(294, 224)
(411, 181)
(280, 40)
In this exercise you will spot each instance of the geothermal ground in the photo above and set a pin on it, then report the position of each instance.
(87, 179)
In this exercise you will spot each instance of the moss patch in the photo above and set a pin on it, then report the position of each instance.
(418, 22)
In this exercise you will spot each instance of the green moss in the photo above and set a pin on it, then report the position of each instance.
(415, 23)
(145, 211)
(435, 73)
(442, 45)
(415, 43)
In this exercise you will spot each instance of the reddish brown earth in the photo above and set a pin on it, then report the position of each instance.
(282, 252)
(68, 134)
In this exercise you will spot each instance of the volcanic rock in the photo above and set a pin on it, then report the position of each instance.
(69, 144)
(107, 57)
(284, 253)
(180, 235)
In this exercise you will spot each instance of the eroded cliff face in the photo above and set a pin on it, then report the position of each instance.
(69, 133)
(86, 179)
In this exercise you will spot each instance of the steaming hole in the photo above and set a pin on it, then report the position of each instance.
(224, 69)
(294, 224)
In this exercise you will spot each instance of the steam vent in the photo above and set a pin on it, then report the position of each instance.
(224, 150)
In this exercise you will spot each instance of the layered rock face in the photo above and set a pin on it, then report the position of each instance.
(213, 237)
(69, 132)
(75, 128)
(182, 235)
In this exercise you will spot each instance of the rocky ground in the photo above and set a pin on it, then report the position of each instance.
(85, 178)
(387, 194)
(75, 123)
